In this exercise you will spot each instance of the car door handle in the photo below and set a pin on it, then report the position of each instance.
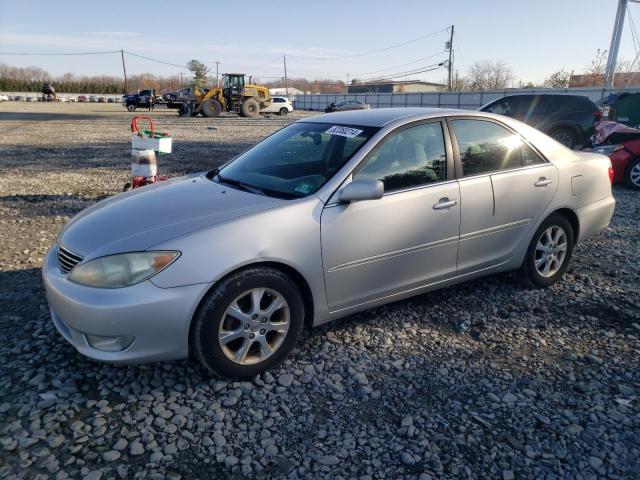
(444, 203)
(543, 182)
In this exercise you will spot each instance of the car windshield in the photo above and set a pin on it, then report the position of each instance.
(295, 161)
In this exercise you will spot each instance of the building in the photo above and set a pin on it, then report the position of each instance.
(281, 92)
(408, 86)
(621, 80)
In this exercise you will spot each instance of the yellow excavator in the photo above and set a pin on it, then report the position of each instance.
(235, 96)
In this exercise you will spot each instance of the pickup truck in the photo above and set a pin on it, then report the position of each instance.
(140, 99)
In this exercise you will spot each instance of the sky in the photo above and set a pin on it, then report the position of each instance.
(536, 37)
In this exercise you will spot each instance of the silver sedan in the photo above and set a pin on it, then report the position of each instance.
(327, 217)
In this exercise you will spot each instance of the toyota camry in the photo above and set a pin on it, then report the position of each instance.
(329, 216)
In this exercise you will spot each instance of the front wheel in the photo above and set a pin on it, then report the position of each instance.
(632, 174)
(131, 107)
(250, 108)
(248, 323)
(549, 252)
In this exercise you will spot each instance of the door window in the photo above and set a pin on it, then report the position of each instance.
(487, 147)
(410, 158)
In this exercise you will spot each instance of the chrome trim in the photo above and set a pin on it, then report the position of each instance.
(498, 172)
(499, 228)
(67, 259)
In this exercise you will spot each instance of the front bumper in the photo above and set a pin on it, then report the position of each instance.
(157, 318)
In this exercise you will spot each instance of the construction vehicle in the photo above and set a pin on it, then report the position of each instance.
(235, 96)
(48, 93)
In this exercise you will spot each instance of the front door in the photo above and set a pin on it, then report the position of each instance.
(403, 241)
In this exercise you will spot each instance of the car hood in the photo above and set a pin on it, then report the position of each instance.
(144, 217)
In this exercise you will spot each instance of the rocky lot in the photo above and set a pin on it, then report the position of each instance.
(482, 380)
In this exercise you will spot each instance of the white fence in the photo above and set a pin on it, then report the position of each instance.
(464, 100)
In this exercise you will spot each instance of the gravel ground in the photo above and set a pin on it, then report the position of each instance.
(482, 380)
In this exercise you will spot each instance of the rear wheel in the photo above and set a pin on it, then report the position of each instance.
(211, 108)
(632, 174)
(549, 252)
(248, 323)
(250, 108)
(565, 136)
(284, 112)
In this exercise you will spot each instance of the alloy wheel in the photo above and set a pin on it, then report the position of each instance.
(551, 251)
(634, 175)
(254, 326)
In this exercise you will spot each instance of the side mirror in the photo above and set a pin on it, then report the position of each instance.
(361, 190)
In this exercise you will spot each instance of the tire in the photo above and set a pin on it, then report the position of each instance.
(566, 136)
(532, 271)
(632, 174)
(284, 112)
(127, 187)
(211, 108)
(131, 107)
(243, 357)
(250, 108)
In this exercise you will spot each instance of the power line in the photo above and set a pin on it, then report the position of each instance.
(155, 60)
(63, 53)
(401, 65)
(371, 52)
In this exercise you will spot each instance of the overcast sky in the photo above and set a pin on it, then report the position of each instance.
(536, 37)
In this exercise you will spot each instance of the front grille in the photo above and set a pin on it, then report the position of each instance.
(67, 259)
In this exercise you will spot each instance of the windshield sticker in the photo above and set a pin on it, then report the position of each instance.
(344, 131)
(304, 188)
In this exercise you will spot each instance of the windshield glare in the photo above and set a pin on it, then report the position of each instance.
(297, 160)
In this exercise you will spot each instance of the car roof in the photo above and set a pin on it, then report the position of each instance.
(380, 117)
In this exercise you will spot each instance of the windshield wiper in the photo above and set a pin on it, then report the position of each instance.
(238, 183)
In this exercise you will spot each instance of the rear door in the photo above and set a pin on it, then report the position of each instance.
(505, 185)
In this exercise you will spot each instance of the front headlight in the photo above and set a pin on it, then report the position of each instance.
(123, 270)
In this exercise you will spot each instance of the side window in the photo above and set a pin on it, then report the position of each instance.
(529, 156)
(487, 147)
(506, 106)
(410, 158)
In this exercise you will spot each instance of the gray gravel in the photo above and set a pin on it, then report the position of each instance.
(481, 380)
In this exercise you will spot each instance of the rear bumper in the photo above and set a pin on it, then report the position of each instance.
(595, 217)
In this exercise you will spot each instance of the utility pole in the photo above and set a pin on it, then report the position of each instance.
(124, 69)
(181, 84)
(217, 77)
(616, 35)
(450, 64)
(286, 81)
(348, 75)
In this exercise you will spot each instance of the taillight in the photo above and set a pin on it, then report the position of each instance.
(611, 174)
(598, 115)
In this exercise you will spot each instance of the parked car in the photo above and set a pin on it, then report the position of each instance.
(82, 98)
(93, 99)
(346, 105)
(622, 108)
(32, 99)
(4, 98)
(329, 216)
(63, 99)
(280, 105)
(19, 98)
(568, 119)
(102, 100)
(12, 98)
(72, 99)
(111, 100)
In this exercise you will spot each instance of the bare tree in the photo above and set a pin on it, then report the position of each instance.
(559, 79)
(488, 75)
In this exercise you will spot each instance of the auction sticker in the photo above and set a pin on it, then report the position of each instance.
(344, 131)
